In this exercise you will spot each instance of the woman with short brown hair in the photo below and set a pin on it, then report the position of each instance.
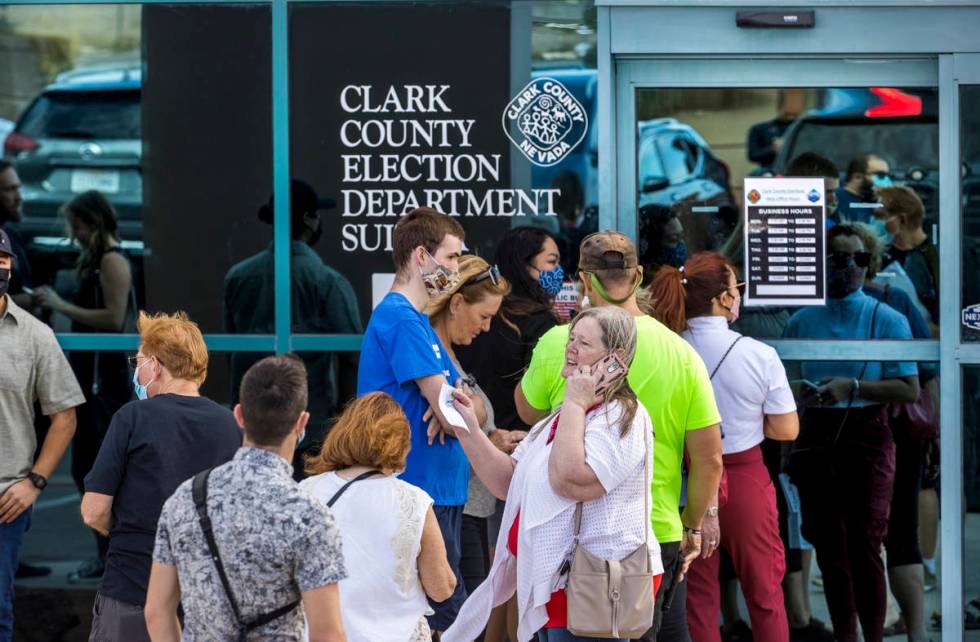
(393, 549)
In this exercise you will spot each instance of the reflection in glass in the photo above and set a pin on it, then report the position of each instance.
(971, 490)
(970, 171)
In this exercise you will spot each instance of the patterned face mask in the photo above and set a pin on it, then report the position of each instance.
(440, 280)
(675, 256)
(551, 281)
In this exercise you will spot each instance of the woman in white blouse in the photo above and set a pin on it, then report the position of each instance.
(755, 401)
(598, 450)
(393, 550)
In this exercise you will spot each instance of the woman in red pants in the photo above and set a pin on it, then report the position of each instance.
(699, 301)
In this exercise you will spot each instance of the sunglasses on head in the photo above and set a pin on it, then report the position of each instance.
(492, 273)
(842, 259)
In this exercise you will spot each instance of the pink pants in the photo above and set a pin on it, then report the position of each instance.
(750, 534)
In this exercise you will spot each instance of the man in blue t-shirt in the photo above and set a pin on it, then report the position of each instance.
(402, 356)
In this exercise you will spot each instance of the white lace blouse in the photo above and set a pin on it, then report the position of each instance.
(380, 521)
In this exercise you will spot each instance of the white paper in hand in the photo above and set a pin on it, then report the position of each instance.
(448, 408)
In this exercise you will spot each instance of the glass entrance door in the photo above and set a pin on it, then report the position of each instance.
(894, 158)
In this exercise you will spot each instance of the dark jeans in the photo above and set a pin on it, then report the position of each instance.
(473, 561)
(11, 537)
(845, 497)
(450, 520)
(672, 625)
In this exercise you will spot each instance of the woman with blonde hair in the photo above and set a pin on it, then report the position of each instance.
(458, 317)
(592, 460)
(393, 549)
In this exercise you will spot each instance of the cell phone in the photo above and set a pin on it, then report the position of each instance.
(610, 369)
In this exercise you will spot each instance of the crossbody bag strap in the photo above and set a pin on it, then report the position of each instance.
(646, 495)
(199, 490)
(343, 488)
(725, 356)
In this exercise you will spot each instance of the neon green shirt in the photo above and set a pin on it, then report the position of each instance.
(671, 382)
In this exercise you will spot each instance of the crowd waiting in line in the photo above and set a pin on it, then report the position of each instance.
(500, 475)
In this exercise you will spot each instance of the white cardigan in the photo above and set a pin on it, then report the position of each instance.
(612, 525)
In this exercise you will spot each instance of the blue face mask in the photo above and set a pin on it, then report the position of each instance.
(881, 231)
(881, 181)
(674, 256)
(141, 390)
(551, 281)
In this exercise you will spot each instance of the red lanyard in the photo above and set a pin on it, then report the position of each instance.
(554, 424)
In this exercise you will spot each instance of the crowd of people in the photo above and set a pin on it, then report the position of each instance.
(499, 475)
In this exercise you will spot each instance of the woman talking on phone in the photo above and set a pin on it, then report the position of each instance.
(576, 491)
(699, 300)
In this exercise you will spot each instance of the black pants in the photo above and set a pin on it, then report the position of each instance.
(902, 540)
(474, 552)
(672, 625)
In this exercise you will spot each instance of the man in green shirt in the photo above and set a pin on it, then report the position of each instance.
(671, 381)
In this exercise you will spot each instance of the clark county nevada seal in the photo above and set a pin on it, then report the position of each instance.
(545, 121)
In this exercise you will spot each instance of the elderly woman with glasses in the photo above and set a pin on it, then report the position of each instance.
(457, 317)
(844, 460)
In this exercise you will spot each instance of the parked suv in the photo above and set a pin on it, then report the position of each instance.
(81, 133)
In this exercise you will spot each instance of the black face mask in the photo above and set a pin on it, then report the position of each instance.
(4, 280)
(844, 281)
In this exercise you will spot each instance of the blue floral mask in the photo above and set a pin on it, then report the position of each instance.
(551, 281)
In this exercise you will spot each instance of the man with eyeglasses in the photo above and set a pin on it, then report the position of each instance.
(856, 199)
(169, 434)
(844, 460)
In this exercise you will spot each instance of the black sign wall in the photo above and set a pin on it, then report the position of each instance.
(398, 106)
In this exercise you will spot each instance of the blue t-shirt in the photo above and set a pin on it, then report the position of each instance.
(850, 318)
(850, 210)
(399, 347)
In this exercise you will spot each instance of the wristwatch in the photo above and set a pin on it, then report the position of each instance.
(39, 481)
(712, 511)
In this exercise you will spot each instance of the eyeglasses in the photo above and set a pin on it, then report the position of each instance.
(842, 259)
(740, 286)
(134, 361)
(492, 273)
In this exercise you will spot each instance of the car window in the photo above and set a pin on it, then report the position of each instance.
(83, 115)
(678, 158)
(903, 144)
(649, 159)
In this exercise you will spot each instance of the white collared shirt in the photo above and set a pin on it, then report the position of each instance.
(749, 384)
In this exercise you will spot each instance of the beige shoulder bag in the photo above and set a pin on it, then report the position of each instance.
(612, 598)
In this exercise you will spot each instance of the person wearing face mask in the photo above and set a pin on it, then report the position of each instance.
(276, 553)
(661, 238)
(844, 460)
(33, 370)
(402, 355)
(104, 301)
(672, 383)
(857, 197)
(322, 302)
(529, 260)
(899, 221)
(170, 433)
(458, 317)
(700, 301)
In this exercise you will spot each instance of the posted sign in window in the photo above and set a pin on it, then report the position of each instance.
(785, 241)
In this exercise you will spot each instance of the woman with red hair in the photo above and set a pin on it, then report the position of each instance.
(699, 300)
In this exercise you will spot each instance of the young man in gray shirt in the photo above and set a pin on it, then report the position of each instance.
(32, 368)
(276, 546)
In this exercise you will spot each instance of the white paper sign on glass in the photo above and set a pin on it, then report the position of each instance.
(785, 229)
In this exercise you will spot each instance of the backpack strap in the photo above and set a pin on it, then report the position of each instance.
(199, 491)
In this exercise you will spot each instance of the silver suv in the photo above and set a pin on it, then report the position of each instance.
(81, 133)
